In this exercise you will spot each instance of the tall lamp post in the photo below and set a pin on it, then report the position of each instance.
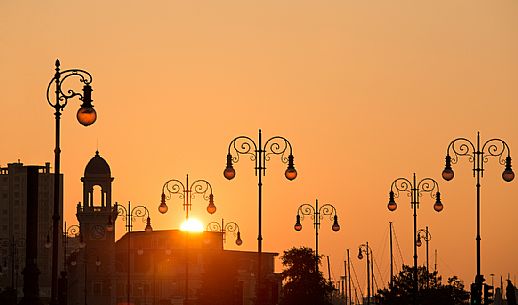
(424, 234)
(85, 272)
(129, 214)
(224, 228)
(317, 214)
(244, 145)
(71, 231)
(364, 248)
(478, 155)
(187, 192)
(414, 190)
(86, 115)
(12, 246)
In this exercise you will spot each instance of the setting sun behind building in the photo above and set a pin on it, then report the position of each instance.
(192, 225)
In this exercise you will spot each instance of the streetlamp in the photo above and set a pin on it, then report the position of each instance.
(12, 246)
(224, 228)
(317, 214)
(128, 215)
(478, 155)
(187, 193)
(424, 234)
(414, 190)
(86, 115)
(71, 231)
(244, 145)
(364, 248)
(73, 262)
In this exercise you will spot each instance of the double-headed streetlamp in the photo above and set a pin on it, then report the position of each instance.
(129, 214)
(364, 248)
(414, 190)
(224, 228)
(478, 154)
(73, 262)
(244, 145)
(187, 192)
(71, 231)
(86, 115)
(424, 234)
(317, 214)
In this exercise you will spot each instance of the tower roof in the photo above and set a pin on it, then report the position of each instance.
(97, 166)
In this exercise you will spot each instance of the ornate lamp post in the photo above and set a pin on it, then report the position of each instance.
(71, 231)
(317, 214)
(86, 115)
(244, 145)
(414, 190)
(129, 214)
(424, 234)
(187, 193)
(73, 262)
(364, 248)
(478, 155)
(11, 247)
(224, 228)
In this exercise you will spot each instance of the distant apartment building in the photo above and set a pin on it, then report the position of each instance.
(13, 209)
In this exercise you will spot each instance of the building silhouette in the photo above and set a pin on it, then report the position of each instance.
(13, 208)
(163, 266)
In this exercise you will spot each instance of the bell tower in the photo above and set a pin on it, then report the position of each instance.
(93, 215)
(95, 211)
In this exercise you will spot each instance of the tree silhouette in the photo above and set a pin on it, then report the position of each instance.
(510, 293)
(301, 283)
(431, 289)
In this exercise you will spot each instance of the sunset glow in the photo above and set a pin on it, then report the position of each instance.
(192, 225)
(365, 92)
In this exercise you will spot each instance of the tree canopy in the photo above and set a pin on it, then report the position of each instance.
(431, 290)
(301, 283)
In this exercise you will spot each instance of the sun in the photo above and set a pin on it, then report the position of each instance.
(192, 225)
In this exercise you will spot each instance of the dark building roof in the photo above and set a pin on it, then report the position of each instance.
(97, 166)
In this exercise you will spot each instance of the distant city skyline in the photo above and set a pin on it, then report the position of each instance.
(365, 92)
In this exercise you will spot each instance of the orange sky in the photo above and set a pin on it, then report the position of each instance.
(366, 91)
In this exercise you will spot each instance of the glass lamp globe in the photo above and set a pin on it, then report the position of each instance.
(109, 228)
(418, 242)
(438, 206)
(163, 208)
(360, 255)
(229, 173)
(290, 173)
(392, 206)
(239, 242)
(297, 226)
(148, 225)
(211, 208)
(448, 174)
(86, 116)
(508, 175)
